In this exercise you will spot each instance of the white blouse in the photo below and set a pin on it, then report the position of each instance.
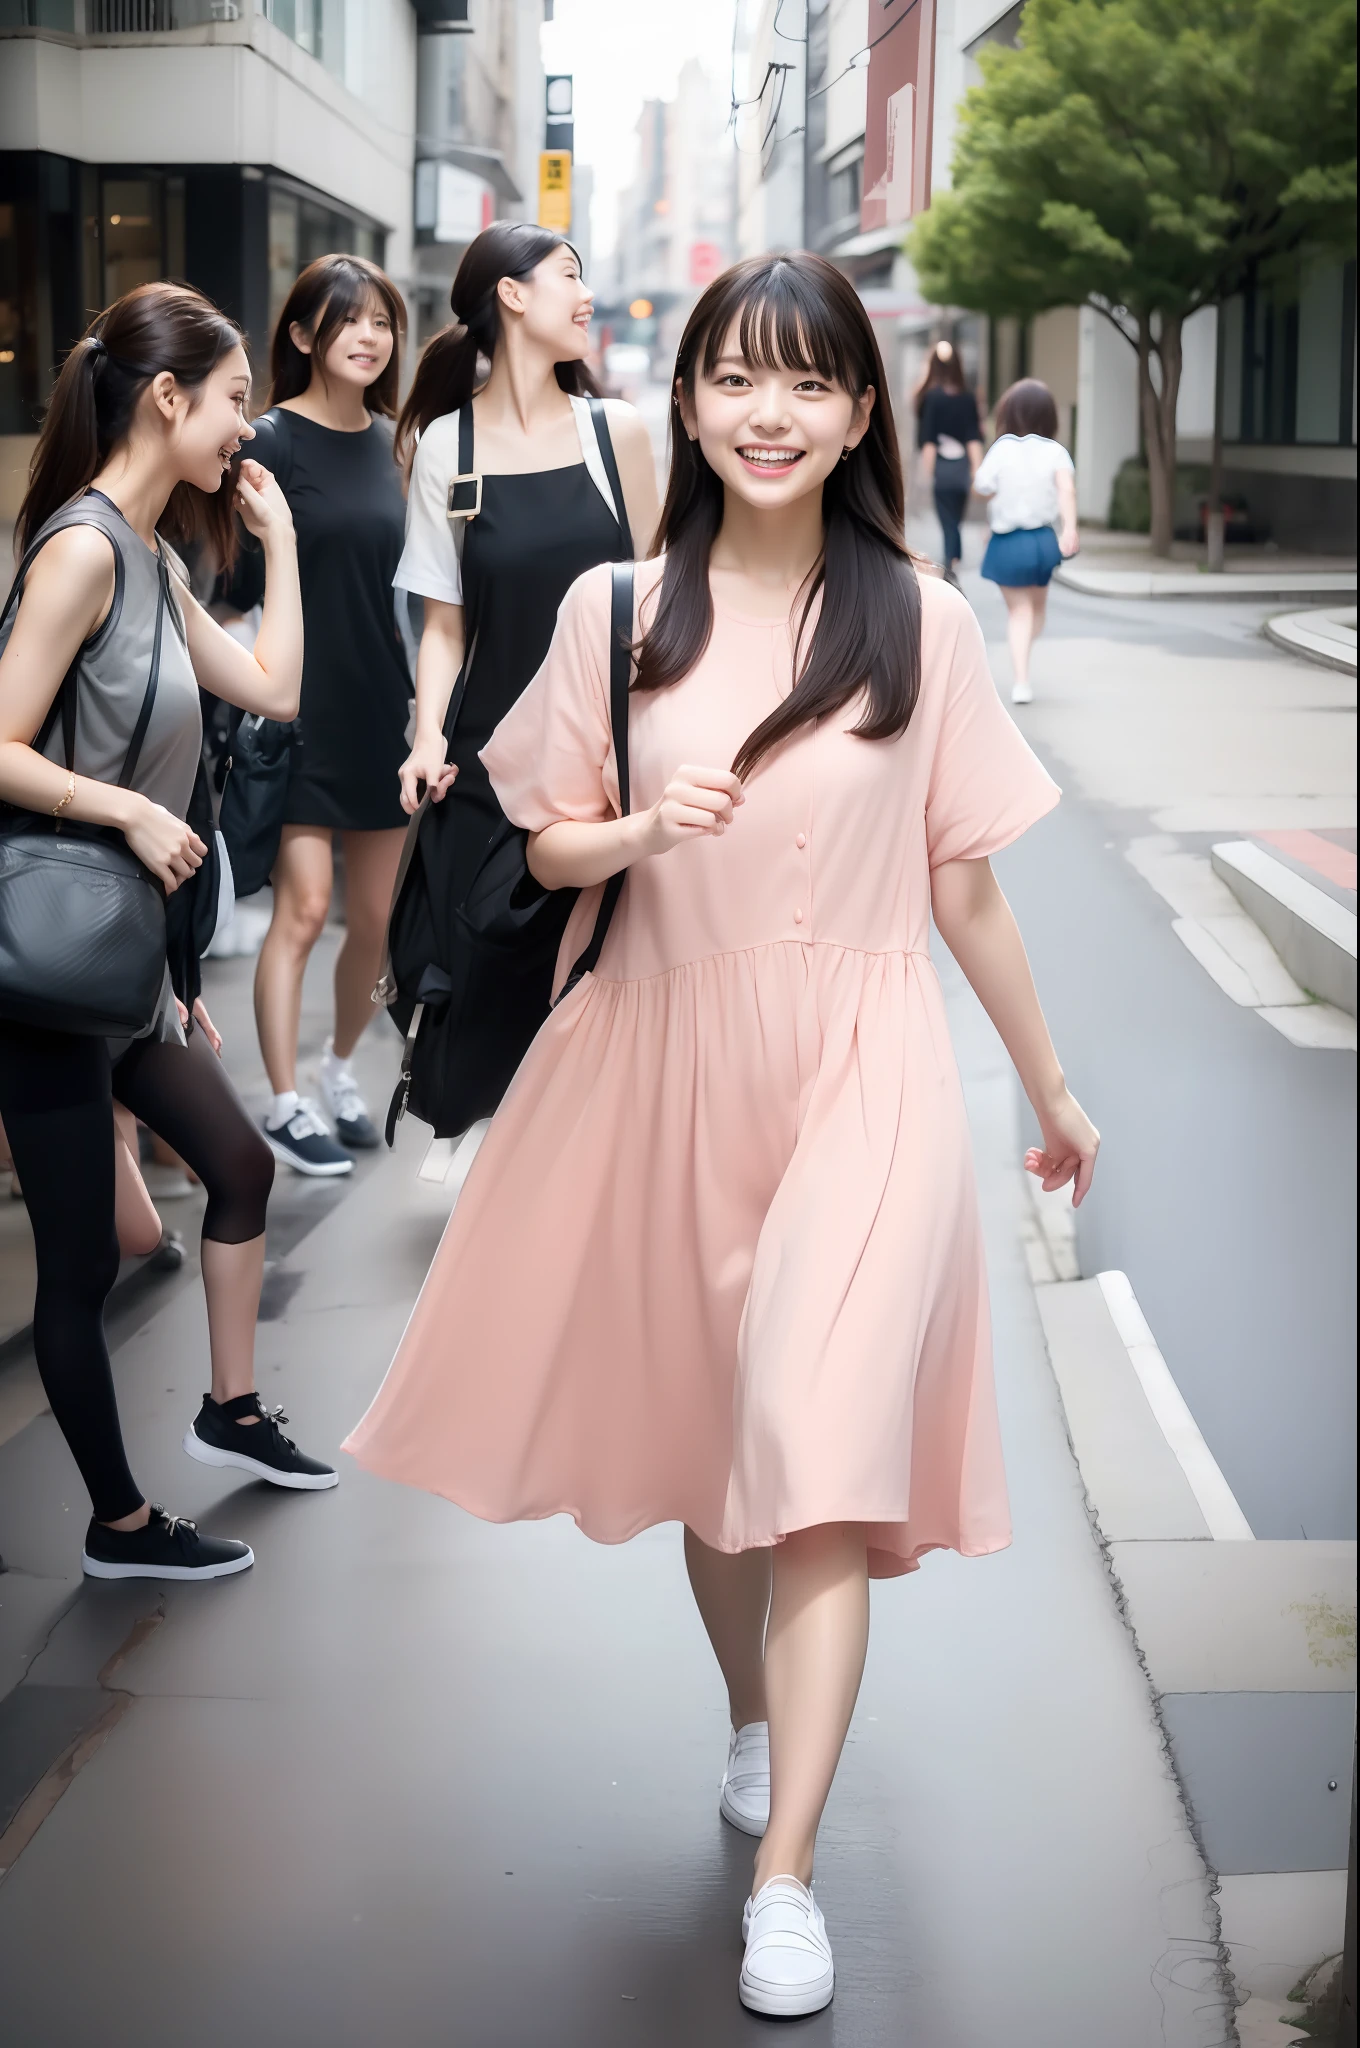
(429, 564)
(1019, 473)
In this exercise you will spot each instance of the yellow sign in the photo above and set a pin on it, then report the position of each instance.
(554, 190)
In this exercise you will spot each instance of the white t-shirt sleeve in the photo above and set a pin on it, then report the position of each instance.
(987, 475)
(429, 561)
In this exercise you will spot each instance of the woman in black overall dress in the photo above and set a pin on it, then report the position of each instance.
(558, 482)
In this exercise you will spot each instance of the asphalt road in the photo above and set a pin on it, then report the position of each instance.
(1226, 1187)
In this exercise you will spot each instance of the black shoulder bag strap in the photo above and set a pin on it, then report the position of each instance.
(600, 421)
(134, 752)
(620, 680)
(465, 498)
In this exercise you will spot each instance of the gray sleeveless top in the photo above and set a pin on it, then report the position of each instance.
(113, 668)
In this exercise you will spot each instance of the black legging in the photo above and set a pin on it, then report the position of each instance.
(951, 503)
(56, 1102)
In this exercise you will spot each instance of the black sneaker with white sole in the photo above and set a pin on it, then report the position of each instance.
(304, 1143)
(169, 1547)
(218, 1436)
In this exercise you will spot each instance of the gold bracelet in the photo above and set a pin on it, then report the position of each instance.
(69, 797)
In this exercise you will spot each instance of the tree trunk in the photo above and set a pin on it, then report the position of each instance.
(1214, 526)
(1157, 402)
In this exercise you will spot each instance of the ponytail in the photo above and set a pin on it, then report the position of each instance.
(445, 379)
(156, 327)
(447, 373)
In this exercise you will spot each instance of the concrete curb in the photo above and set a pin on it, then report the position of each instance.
(1245, 583)
(1313, 934)
(1249, 1646)
(1327, 637)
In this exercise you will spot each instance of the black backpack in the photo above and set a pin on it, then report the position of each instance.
(470, 983)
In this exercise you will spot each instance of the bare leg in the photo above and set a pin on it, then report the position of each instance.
(232, 1278)
(302, 901)
(814, 1660)
(732, 1593)
(370, 875)
(1020, 624)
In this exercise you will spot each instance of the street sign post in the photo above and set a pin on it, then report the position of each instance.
(554, 190)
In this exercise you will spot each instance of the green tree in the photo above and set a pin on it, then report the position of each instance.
(1147, 157)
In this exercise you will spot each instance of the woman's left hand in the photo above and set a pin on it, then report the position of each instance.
(206, 1025)
(1069, 540)
(1071, 1142)
(203, 1020)
(262, 504)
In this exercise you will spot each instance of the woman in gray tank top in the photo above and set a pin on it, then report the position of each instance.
(146, 417)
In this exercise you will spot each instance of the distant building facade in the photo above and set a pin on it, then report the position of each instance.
(846, 134)
(225, 142)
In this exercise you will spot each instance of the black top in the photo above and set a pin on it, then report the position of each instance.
(953, 413)
(532, 538)
(344, 491)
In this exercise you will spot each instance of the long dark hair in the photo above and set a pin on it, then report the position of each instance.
(1027, 407)
(797, 312)
(943, 372)
(446, 375)
(325, 295)
(156, 327)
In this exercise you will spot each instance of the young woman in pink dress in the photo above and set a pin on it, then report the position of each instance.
(719, 1259)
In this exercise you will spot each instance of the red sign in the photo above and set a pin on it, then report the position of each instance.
(897, 123)
(705, 261)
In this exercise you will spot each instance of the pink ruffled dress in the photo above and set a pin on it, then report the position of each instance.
(718, 1260)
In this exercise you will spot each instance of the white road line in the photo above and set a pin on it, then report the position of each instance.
(1217, 1502)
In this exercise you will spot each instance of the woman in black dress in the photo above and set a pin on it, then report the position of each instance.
(950, 437)
(328, 439)
(541, 447)
(558, 480)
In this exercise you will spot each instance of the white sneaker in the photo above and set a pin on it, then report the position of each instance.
(787, 1969)
(1022, 694)
(745, 1796)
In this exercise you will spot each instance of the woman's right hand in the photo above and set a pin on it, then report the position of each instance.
(164, 843)
(425, 763)
(698, 803)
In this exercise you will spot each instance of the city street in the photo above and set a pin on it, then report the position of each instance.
(440, 1780)
(418, 1780)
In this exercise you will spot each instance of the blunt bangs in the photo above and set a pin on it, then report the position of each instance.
(785, 322)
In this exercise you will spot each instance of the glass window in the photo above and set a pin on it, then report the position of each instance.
(284, 260)
(15, 416)
(1321, 325)
(132, 234)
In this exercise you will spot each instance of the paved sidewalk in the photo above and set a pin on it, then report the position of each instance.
(415, 1778)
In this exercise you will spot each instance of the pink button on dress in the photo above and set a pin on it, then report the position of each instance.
(718, 1260)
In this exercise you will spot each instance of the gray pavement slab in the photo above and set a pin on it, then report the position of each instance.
(420, 1780)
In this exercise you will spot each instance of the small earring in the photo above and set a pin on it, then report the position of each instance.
(846, 454)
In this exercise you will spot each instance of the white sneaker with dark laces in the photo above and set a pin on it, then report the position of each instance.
(787, 1969)
(745, 1797)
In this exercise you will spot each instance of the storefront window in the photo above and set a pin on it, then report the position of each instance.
(133, 238)
(1288, 358)
(15, 417)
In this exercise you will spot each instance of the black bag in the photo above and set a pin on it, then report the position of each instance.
(254, 797)
(191, 913)
(475, 1002)
(82, 922)
(260, 753)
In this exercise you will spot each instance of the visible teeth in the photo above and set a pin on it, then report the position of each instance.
(772, 458)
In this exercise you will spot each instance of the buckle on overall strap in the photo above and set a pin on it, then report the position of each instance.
(465, 495)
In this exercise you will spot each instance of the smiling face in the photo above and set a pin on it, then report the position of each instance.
(359, 352)
(554, 305)
(207, 424)
(771, 433)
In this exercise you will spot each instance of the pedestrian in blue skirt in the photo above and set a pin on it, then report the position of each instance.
(1028, 477)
